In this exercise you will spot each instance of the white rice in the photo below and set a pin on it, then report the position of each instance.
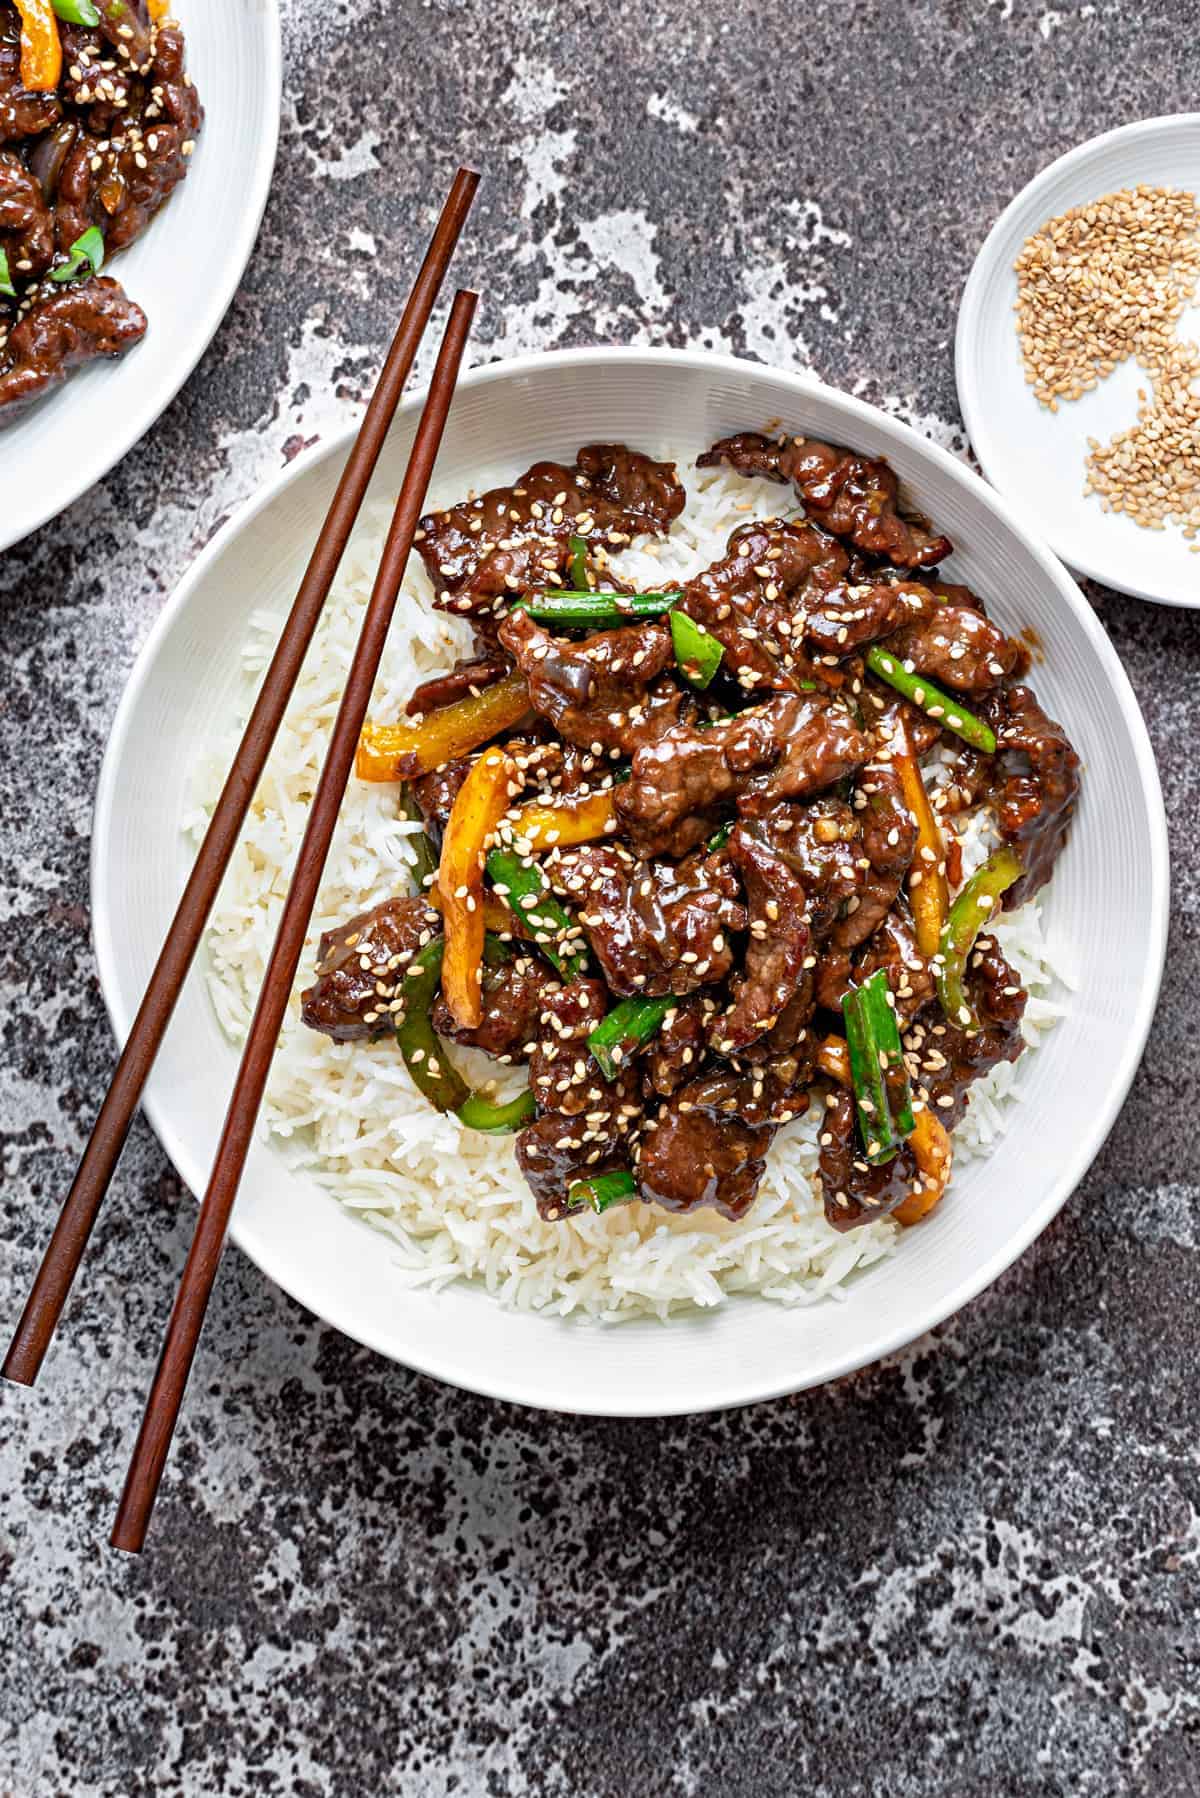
(453, 1202)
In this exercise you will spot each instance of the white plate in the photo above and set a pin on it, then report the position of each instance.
(1108, 904)
(1036, 457)
(183, 272)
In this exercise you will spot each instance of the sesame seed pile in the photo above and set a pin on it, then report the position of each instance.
(1100, 284)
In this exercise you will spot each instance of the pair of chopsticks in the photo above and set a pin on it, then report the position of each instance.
(60, 1263)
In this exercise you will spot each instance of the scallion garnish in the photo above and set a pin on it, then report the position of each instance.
(6, 286)
(697, 651)
(86, 252)
(76, 12)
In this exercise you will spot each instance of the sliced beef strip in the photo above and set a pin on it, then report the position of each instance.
(779, 947)
(892, 947)
(22, 114)
(855, 1192)
(586, 1121)
(853, 496)
(822, 843)
(26, 222)
(481, 551)
(677, 1051)
(469, 675)
(61, 331)
(959, 648)
(1035, 786)
(119, 180)
(848, 617)
(944, 1059)
(889, 840)
(709, 1141)
(655, 928)
(514, 996)
(791, 746)
(750, 600)
(359, 958)
(603, 693)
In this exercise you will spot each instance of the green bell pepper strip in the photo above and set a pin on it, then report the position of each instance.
(697, 652)
(418, 1042)
(877, 1073)
(720, 837)
(602, 1191)
(425, 856)
(965, 919)
(624, 1029)
(942, 707)
(86, 252)
(481, 1114)
(546, 920)
(569, 607)
(6, 286)
(76, 12)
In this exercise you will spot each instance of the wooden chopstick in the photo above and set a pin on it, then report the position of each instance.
(187, 1317)
(64, 1252)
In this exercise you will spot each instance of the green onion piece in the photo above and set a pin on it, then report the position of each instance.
(876, 1127)
(86, 252)
(940, 706)
(965, 919)
(425, 856)
(481, 1114)
(696, 650)
(602, 1191)
(569, 607)
(719, 838)
(76, 12)
(885, 1029)
(6, 286)
(546, 920)
(625, 1028)
(418, 1042)
(577, 562)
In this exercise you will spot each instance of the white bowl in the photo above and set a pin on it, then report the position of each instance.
(1108, 898)
(183, 272)
(1036, 457)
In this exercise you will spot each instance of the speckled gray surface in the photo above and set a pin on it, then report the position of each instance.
(973, 1570)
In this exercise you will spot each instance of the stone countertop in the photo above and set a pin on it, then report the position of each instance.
(971, 1570)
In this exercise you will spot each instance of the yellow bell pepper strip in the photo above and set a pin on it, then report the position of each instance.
(603, 1190)
(697, 652)
(929, 1141)
(551, 926)
(942, 707)
(544, 826)
(623, 1030)
(158, 9)
(400, 751)
(928, 894)
(41, 46)
(496, 916)
(966, 918)
(482, 801)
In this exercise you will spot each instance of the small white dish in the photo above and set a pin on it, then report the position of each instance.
(183, 272)
(1106, 907)
(1036, 457)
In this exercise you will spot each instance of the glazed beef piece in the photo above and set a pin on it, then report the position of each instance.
(653, 927)
(894, 948)
(61, 331)
(855, 1192)
(481, 551)
(944, 1058)
(360, 969)
(778, 952)
(117, 175)
(853, 496)
(848, 617)
(586, 1121)
(436, 791)
(22, 114)
(470, 674)
(603, 694)
(1035, 785)
(26, 222)
(749, 601)
(693, 1155)
(787, 748)
(514, 994)
(959, 648)
(889, 840)
(822, 843)
(678, 1048)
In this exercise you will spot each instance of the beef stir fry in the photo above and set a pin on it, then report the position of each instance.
(98, 119)
(689, 856)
